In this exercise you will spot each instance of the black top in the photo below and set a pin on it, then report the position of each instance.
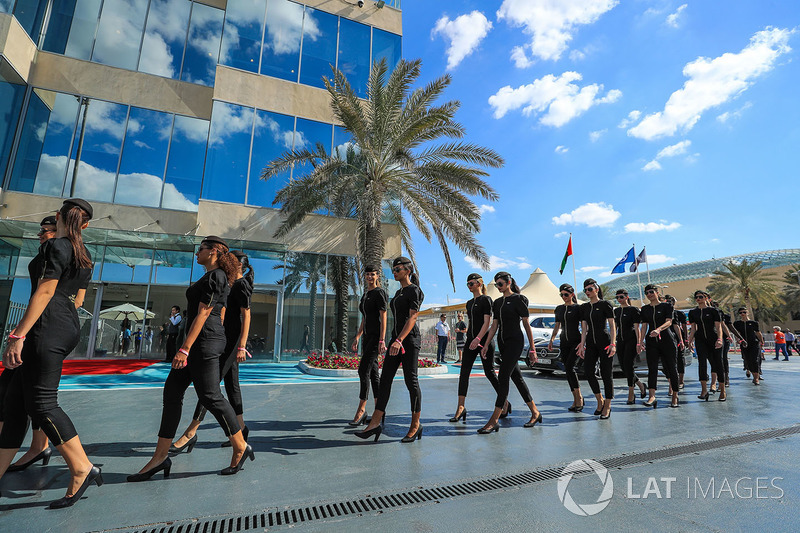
(372, 303)
(748, 330)
(58, 263)
(596, 316)
(35, 270)
(726, 319)
(655, 317)
(238, 299)
(704, 320)
(569, 316)
(212, 290)
(627, 320)
(679, 317)
(460, 325)
(477, 308)
(508, 311)
(405, 300)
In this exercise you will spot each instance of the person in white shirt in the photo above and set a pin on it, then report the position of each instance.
(172, 331)
(443, 332)
(790, 343)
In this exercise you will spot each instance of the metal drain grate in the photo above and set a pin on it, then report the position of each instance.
(298, 514)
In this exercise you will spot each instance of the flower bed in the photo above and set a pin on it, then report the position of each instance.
(348, 361)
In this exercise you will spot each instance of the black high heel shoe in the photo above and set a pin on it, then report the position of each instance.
(676, 404)
(44, 456)
(598, 412)
(358, 422)
(230, 470)
(165, 465)
(367, 433)
(606, 417)
(95, 476)
(643, 392)
(533, 423)
(227, 443)
(576, 408)
(189, 446)
(416, 436)
(703, 396)
(485, 431)
(463, 416)
(654, 404)
(503, 415)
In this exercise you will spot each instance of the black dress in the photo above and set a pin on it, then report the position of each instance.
(477, 311)
(406, 300)
(508, 311)
(569, 316)
(705, 341)
(372, 303)
(202, 366)
(33, 390)
(598, 339)
(662, 348)
(627, 320)
(679, 318)
(749, 329)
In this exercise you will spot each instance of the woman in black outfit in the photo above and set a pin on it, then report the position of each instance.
(597, 345)
(627, 319)
(197, 362)
(479, 315)
(508, 311)
(404, 349)
(568, 320)
(51, 327)
(656, 328)
(707, 337)
(373, 329)
(39, 450)
(679, 326)
(751, 343)
(236, 321)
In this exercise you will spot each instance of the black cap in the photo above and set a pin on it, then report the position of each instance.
(650, 287)
(474, 276)
(48, 221)
(401, 261)
(239, 254)
(215, 240)
(83, 204)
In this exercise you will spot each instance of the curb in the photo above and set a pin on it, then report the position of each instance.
(344, 373)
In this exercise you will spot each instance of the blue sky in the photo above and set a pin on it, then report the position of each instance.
(672, 125)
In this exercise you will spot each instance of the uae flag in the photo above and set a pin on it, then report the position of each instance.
(566, 255)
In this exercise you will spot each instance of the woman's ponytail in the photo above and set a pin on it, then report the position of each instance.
(74, 218)
(227, 262)
(248, 274)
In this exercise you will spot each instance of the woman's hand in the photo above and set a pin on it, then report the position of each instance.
(242, 354)
(655, 334)
(381, 347)
(354, 346)
(395, 348)
(719, 343)
(179, 361)
(12, 358)
(581, 350)
(550, 346)
(639, 347)
(484, 350)
(743, 343)
(476, 342)
(532, 356)
(611, 349)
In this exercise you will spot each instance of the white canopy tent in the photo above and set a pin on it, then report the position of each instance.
(540, 290)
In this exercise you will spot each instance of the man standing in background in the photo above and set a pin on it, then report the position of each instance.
(443, 332)
(172, 332)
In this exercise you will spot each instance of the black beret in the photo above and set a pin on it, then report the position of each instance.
(48, 221)
(401, 261)
(83, 204)
(213, 239)
(474, 276)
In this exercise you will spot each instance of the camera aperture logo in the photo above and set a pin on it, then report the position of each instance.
(580, 466)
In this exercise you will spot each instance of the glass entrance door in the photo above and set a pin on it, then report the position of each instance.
(266, 309)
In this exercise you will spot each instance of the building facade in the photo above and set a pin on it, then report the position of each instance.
(163, 113)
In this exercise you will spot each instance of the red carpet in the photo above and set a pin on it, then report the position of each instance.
(104, 366)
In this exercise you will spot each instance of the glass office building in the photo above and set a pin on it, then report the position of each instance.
(163, 114)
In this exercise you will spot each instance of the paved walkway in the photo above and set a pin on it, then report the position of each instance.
(306, 453)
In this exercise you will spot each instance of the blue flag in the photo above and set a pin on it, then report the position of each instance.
(641, 258)
(630, 257)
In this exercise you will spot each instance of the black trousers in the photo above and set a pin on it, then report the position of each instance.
(5, 382)
(229, 370)
(707, 354)
(680, 360)
(368, 371)
(666, 351)
(752, 358)
(441, 349)
(410, 362)
(202, 370)
(509, 371)
(468, 359)
(594, 354)
(33, 387)
(726, 346)
(172, 346)
(627, 352)
(569, 355)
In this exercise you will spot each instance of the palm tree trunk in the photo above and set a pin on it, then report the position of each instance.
(312, 314)
(341, 283)
(373, 245)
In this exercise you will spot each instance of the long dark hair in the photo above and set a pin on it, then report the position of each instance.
(570, 289)
(591, 281)
(248, 274)
(74, 218)
(508, 279)
(406, 262)
(226, 261)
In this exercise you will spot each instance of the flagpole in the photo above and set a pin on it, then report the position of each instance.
(574, 275)
(647, 263)
(638, 279)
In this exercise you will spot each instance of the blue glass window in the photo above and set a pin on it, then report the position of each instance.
(11, 96)
(281, 51)
(82, 26)
(119, 35)
(267, 266)
(386, 45)
(172, 268)
(272, 136)
(319, 46)
(241, 39)
(202, 48)
(97, 169)
(187, 151)
(225, 176)
(144, 156)
(130, 265)
(30, 14)
(6, 6)
(307, 135)
(43, 153)
(354, 41)
(165, 37)
(342, 140)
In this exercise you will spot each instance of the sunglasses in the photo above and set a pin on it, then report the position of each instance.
(471, 283)
(588, 289)
(42, 232)
(699, 297)
(566, 294)
(398, 269)
(621, 297)
(651, 291)
(742, 312)
(499, 283)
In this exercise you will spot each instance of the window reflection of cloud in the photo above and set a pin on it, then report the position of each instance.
(242, 14)
(120, 32)
(82, 29)
(284, 26)
(281, 136)
(5, 6)
(162, 49)
(195, 130)
(205, 33)
(229, 120)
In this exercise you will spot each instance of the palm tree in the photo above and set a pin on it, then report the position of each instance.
(792, 290)
(747, 283)
(305, 271)
(409, 165)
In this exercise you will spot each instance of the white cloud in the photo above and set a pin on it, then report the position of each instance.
(560, 234)
(593, 269)
(652, 165)
(595, 215)
(551, 24)
(674, 149)
(557, 97)
(651, 227)
(632, 117)
(657, 259)
(500, 263)
(519, 57)
(712, 82)
(561, 149)
(674, 19)
(577, 55)
(595, 136)
(730, 115)
(486, 208)
(464, 33)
